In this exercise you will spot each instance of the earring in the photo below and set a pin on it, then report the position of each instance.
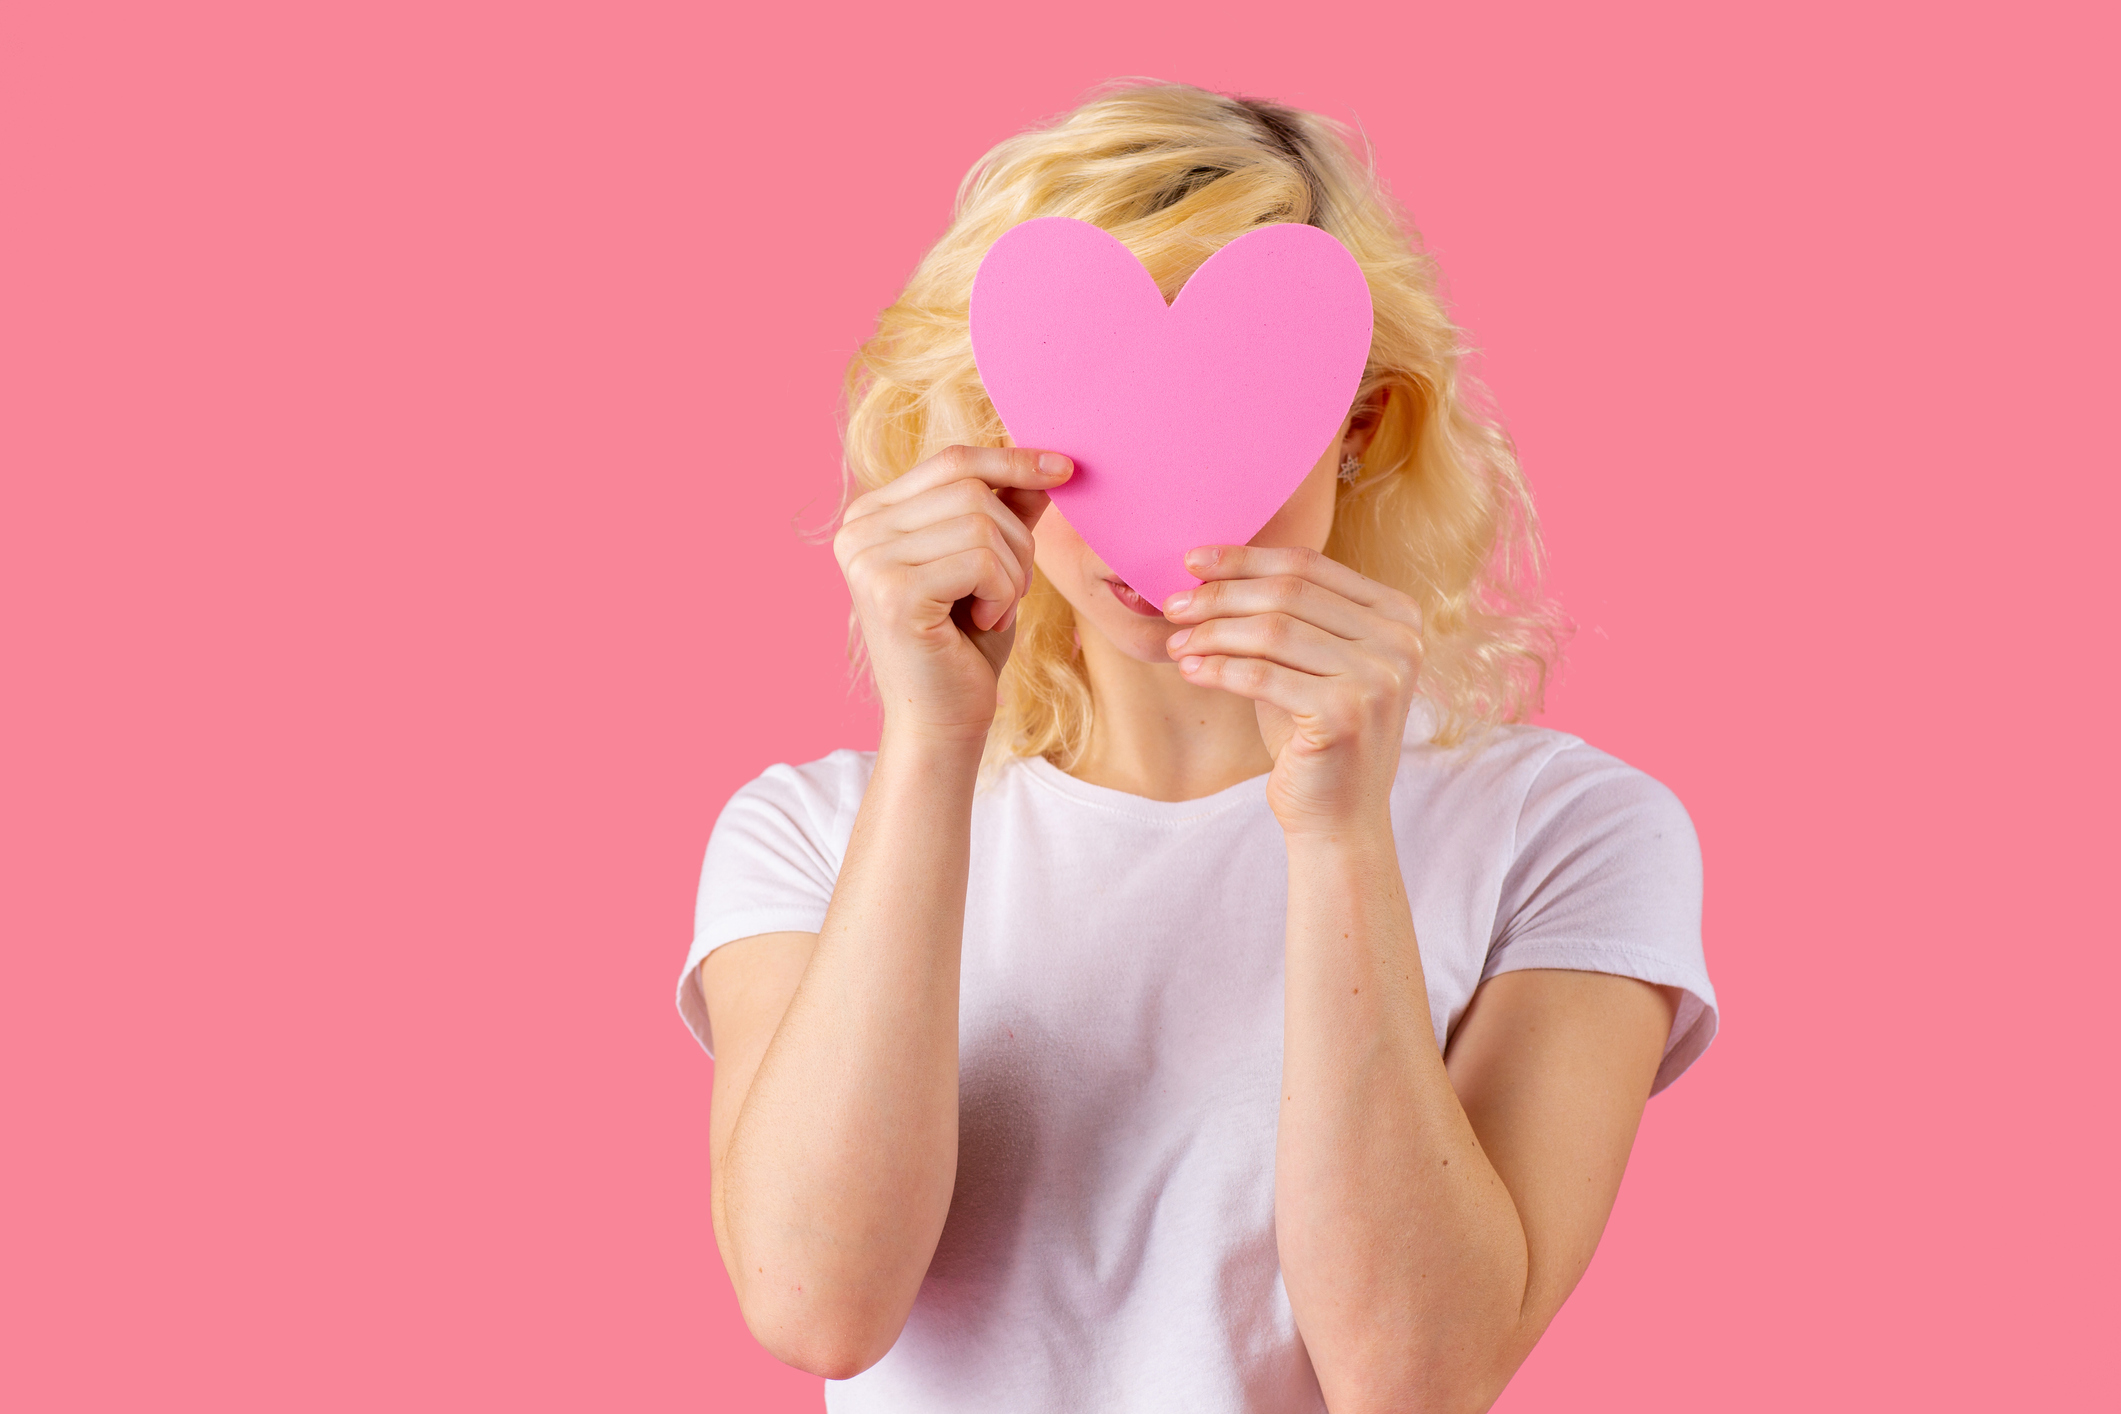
(1350, 468)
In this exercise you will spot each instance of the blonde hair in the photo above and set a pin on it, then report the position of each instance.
(1439, 510)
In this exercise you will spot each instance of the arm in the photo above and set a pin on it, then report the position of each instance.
(835, 1106)
(835, 1120)
(1431, 1216)
(1433, 1212)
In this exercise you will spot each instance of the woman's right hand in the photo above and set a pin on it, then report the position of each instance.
(937, 562)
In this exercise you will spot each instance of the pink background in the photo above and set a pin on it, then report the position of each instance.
(403, 412)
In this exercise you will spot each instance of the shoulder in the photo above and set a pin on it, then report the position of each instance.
(815, 800)
(1600, 870)
(1539, 778)
(817, 786)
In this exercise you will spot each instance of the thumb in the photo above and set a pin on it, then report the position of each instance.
(1027, 505)
(993, 643)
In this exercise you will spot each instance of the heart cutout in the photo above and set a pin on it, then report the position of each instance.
(1189, 423)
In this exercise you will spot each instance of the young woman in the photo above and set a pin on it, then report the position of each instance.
(1210, 1006)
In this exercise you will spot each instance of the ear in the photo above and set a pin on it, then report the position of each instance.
(1363, 422)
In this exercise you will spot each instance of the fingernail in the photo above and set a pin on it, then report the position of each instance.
(1052, 463)
(1178, 640)
(1007, 619)
(1176, 604)
(1187, 665)
(1202, 557)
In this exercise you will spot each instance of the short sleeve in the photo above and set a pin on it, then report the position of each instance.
(1606, 877)
(771, 863)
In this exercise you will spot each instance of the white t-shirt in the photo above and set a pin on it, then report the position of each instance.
(1110, 1244)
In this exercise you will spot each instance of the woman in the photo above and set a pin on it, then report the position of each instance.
(1217, 1005)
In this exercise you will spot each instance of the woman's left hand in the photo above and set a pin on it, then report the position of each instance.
(1328, 658)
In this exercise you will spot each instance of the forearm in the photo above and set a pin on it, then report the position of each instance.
(841, 1164)
(1402, 1251)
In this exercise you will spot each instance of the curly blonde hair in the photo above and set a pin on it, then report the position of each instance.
(1440, 509)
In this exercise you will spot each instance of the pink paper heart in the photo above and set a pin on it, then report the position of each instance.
(1190, 424)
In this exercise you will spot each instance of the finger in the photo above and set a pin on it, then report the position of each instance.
(1024, 467)
(959, 498)
(977, 574)
(1276, 594)
(957, 535)
(1026, 506)
(1219, 562)
(880, 533)
(1298, 694)
(1275, 637)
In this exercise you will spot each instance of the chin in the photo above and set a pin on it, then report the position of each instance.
(1139, 638)
(1102, 604)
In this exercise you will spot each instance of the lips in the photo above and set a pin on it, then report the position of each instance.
(1124, 592)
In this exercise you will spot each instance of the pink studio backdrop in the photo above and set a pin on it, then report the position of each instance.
(403, 414)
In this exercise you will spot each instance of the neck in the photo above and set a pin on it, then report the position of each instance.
(1154, 734)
